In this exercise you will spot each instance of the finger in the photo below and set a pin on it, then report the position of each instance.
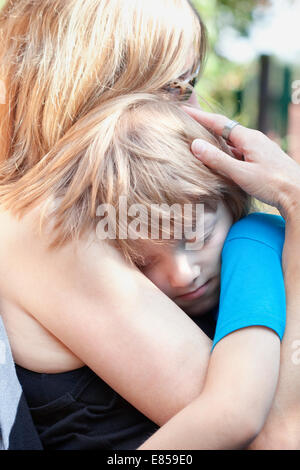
(239, 155)
(216, 122)
(218, 160)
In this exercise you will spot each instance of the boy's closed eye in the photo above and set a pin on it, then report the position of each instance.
(150, 261)
(147, 262)
(200, 240)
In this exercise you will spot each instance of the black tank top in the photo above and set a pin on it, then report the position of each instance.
(77, 410)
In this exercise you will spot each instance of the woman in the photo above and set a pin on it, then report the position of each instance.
(61, 305)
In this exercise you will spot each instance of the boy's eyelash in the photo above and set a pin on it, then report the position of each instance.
(141, 265)
(206, 238)
(145, 264)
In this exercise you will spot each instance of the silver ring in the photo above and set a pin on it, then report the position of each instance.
(228, 128)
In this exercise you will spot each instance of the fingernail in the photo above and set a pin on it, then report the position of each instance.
(198, 146)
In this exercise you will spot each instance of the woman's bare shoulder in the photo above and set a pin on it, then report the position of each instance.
(32, 345)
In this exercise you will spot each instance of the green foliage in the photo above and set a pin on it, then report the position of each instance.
(222, 81)
(235, 13)
(231, 88)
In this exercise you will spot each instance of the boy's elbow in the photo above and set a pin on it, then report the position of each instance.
(252, 426)
(244, 425)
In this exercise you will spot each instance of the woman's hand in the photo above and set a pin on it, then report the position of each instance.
(261, 168)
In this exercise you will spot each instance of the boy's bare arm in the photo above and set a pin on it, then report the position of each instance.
(237, 395)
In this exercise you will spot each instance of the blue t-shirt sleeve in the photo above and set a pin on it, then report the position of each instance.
(252, 284)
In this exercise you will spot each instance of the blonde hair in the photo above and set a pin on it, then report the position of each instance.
(59, 59)
(136, 146)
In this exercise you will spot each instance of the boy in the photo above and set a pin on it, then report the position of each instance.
(152, 166)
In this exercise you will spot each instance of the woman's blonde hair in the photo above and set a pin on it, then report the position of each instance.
(136, 146)
(59, 59)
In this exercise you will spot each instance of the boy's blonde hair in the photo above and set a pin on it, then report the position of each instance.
(136, 146)
(60, 59)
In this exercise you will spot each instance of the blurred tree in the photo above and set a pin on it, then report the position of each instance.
(222, 80)
(228, 87)
(235, 13)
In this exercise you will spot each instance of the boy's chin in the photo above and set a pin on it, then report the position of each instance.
(201, 307)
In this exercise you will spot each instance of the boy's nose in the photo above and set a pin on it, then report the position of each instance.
(183, 273)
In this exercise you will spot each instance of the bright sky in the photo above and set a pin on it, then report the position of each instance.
(277, 33)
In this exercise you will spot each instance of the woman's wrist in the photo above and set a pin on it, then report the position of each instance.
(289, 206)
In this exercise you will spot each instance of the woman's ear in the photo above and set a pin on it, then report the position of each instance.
(193, 101)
